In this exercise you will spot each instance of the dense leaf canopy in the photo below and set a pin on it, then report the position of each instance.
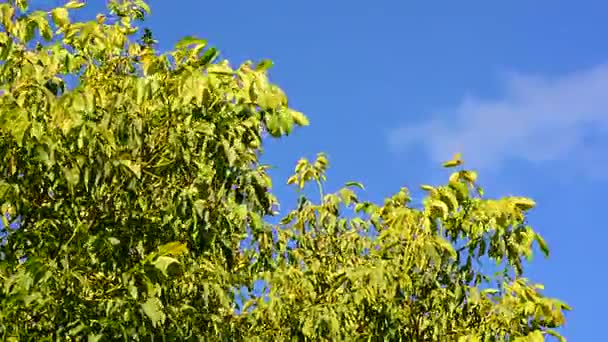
(133, 176)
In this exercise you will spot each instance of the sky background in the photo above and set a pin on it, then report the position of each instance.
(392, 88)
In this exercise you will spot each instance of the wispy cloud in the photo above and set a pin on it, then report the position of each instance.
(537, 119)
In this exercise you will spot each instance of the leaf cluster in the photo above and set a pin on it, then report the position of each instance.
(133, 176)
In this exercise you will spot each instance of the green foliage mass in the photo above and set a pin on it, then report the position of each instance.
(135, 174)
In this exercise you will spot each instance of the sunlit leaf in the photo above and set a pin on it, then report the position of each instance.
(173, 248)
(264, 65)
(60, 16)
(456, 161)
(163, 262)
(94, 337)
(133, 167)
(542, 244)
(188, 41)
(427, 187)
(355, 184)
(299, 118)
(74, 4)
(524, 203)
(153, 308)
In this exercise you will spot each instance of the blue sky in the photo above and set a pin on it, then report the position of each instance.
(394, 87)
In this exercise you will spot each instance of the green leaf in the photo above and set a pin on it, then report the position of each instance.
(133, 291)
(22, 5)
(5, 222)
(427, 187)
(163, 262)
(355, 184)
(536, 336)
(7, 13)
(523, 203)
(470, 176)
(94, 337)
(15, 121)
(142, 88)
(209, 56)
(264, 65)
(439, 206)
(153, 308)
(542, 244)
(72, 175)
(133, 167)
(175, 248)
(144, 5)
(74, 4)
(446, 246)
(114, 241)
(188, 41)
(77, 329)
(299, 118)
(60, 16)
(556, 335)
(456, 161)
(273, 125)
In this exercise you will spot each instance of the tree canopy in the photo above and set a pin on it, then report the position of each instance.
(129, 178)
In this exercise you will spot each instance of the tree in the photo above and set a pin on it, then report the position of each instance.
(134, 175)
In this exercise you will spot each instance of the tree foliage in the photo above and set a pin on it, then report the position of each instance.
(133, 176)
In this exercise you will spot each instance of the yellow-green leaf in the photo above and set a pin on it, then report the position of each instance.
(427, 187)
(299, 118)
(135, 167)
(355, 184)
(73, 4)
(175, 248)
(264, 65)
(153, 308)
(542, 244)
(470, 176)
(163, 262)
(456, 161)
(189, 40)
(523, 203)
(60, 16)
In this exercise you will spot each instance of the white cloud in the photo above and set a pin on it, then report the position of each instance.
(538, 119)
